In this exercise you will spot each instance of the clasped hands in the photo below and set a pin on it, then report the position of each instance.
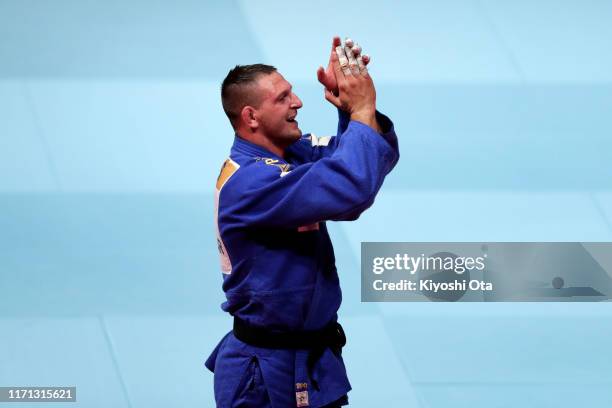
(348, 85)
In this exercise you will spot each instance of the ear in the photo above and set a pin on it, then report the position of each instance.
(248, 114)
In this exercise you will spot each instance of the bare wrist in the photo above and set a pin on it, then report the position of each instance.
(363, 115)
(366, 117)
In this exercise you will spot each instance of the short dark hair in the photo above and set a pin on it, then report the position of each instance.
(235, 89)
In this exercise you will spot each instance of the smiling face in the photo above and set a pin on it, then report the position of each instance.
(277, 110)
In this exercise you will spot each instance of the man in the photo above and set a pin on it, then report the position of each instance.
(274, 194)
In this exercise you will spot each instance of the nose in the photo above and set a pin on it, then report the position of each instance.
(296, 103)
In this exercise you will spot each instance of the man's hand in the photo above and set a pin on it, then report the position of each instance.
(356, 92)
(326, 76)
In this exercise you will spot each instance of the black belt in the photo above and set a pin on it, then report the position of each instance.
(315, 341)
(331, 336)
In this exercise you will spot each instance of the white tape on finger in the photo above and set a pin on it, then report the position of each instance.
(343, 60)
(354, 67)
(357, 53)
(360, 63)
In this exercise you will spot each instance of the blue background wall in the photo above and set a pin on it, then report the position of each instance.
(112, 134)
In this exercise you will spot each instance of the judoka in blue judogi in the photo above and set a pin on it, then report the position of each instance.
(273, 198)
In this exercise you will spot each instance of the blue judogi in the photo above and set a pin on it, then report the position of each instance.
(278, 262)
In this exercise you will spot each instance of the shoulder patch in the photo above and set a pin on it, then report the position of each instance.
(319, 141)
(229, 167)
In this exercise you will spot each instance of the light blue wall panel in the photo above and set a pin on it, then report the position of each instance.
(492, 310)
(370, 350)
(604, 204)
(479, 217)
(24, 162)
(134, 136)
(89, 254)
(556, 41)
(498, 350)
(61, 352)
(443, 41)
(510, 396)
(115, 38)
(162, 358)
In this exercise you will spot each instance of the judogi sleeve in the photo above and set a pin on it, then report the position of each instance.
(336, 187)
(312, 147)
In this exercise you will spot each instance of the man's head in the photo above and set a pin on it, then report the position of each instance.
(260, 103)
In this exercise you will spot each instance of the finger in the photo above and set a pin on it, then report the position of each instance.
(365, 59)
(335, 62)
(334, 100)
(336, 41)
(327, 79)
(348, 50)
(360, 63)
(343, 60)
(321, 75)
(352, 61)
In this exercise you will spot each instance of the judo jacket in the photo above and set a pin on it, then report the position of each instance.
(277, 259)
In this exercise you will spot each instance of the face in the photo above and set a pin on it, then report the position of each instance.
(277, 109)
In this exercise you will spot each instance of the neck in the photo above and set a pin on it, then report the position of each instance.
(263, 141)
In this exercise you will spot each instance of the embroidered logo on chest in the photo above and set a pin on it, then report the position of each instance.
(285, 167)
